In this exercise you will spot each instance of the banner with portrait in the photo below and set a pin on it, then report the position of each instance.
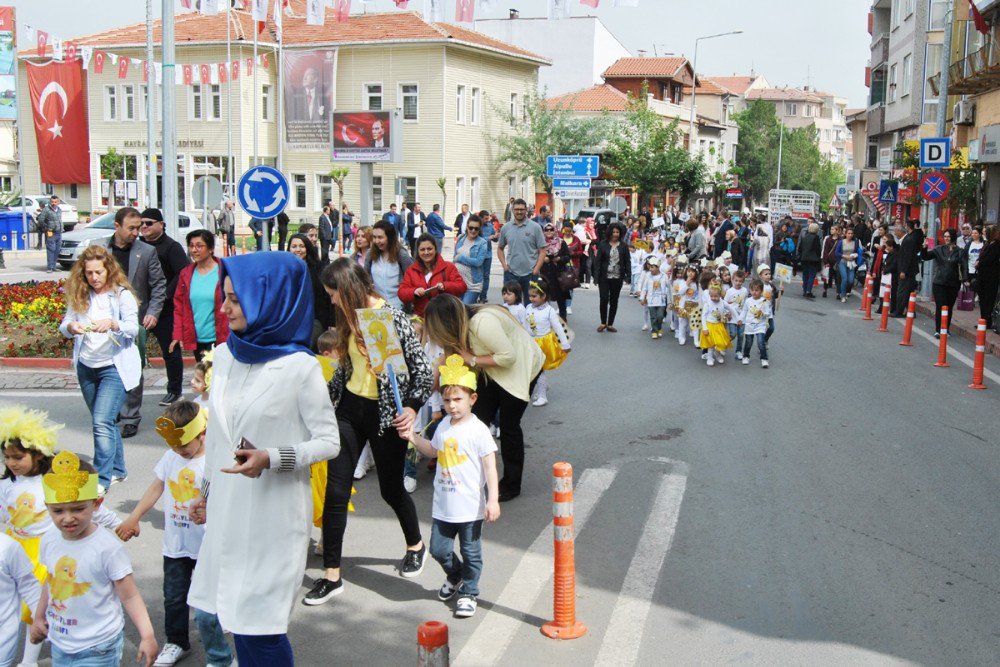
(363, 136)
(310, 94)
(8, 65)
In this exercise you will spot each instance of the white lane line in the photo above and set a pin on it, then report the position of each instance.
(623, 637)
(489, 642)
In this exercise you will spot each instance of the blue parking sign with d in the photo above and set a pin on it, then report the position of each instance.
(935, 153)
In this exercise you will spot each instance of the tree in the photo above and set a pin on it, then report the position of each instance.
(525, 143)
(965, 187)
(757, 149)
(442, 183)
(114, 165)
(338, 175)
(646, 153)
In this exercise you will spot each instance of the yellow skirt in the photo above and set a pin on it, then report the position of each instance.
(31, 546)
(317, 480)
(554, 354)
(715, 335)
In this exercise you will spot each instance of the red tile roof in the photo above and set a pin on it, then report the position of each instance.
(735, 84)
(645, 67)
(396, 27)
(782, 94)
(601, 97)
(708, 87)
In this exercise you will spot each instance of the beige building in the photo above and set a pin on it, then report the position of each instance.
(802, 107)
(453, 88)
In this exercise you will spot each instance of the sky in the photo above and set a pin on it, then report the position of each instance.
(822, 43)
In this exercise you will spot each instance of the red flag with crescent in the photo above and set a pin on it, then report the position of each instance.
(42, 39)
(122, 67)
(98, 62)
(58, 107)
(342, 10)
(187, 74)
(205, 71)
(223, 72)
(236, 70)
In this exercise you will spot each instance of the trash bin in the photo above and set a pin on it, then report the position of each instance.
(11, 226)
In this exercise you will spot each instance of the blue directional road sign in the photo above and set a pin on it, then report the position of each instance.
(573, 166)
(888, 192)
(935, 153)
(570, 183)
(263, 191)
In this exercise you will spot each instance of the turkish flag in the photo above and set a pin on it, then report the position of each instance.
(236, 70)
(98, 62)
(187, 75)
(249, 70)
(590, 3)
(206, 74)
(977, 18)
(263, 60)
(59, 110)
(464, 11)
(223, 73)
(342, 10)
(71, 51)
(145, 71)
(42, 40)
(123, 68)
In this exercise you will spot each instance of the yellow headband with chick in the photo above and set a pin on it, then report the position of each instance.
(455, 372)
(67, 483)
(178, 437)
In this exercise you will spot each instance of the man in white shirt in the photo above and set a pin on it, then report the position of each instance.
(461, 220)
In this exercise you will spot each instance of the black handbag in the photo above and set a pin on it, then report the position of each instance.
(568, 278)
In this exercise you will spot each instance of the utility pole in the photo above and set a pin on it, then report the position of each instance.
(781, 142)
(229, 189)
(150, 111)
(169, 119)
(932, 209)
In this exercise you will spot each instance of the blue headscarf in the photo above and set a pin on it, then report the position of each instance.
(275, 293)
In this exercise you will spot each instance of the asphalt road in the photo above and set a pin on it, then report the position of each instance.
(837, 508)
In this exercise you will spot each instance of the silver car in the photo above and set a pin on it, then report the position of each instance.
(103, 227)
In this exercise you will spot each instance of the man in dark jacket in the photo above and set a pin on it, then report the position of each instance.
(172, 258)
(49, 222)
(908, 264)
(326, 231)
(737, 248)
(810, 258)
(282, 229)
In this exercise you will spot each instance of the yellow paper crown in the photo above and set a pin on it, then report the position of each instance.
(178, 437)
(207, 360)
(455, 372)
(67, 483)
(28, 427)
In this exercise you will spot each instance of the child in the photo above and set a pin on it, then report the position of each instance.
(28, 441)
(637, 256)
(90, 576)
(655, 295)
(18, 586)
(714, 336)
(735, 296)
(698, 320)
(547, 330)
(467, 461)
(179, 473)
(642, 286)
(513, 301)
(773, 296)
(687, 302)
(725, 276)
(202, 380)
(754, 317)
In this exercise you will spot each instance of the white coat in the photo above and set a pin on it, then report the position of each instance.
(253, 557)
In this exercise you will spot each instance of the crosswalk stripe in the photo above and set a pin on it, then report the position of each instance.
(628, 619)
(489, 641)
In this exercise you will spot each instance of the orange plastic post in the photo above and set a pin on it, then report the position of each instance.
(565, 625)
(867, 298)
(884, 323)
(980, 362)
(911, 315)
(432, 645)
(942, 361)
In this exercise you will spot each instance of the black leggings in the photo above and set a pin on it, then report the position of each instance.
(493, 397)
(357, 419)
(944, 295)
(609, 289)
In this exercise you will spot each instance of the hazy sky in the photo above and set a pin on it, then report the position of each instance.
(791, 42)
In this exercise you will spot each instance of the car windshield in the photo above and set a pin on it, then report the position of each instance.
(106, 221)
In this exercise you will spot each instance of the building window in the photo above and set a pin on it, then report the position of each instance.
(48, 189)
(936, 13)
(299, 190)
(144, 103)
(410, 187)
(871, 156)
(907, 74)
(511, 187)
(215, 103)
(74, 192)
(128, 101)
(197, 105)
(460, 191)
(265, 102)
(373, 96)
(474, 193)
(460, 105)
(324, 189)
(527, 188)
(809, 111)
(892, 83)
(110, 103)
(409, 98)
(932, 67)
(376, 197)
(5, 183)
(897, 17)
(791, 109)
(514, 109)
(477, 105)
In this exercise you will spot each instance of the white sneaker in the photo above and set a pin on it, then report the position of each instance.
(465, 607)
(540, 401)
(739, 355)
(704, 356)
(645, 327)
(170, 655)
(494, 430)
(364, 465)
(569, 310)
(720, 357)
(410, 484)
(710, 360)
(763, 363)
(746, 361)
(682, 340)
(673, 328)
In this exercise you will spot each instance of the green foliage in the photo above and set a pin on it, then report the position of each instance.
(338, 175)
(113, 165)
(965, 187)
(757, 150)
(524, 145)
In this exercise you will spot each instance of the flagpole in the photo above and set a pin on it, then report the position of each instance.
(281, 90)
(255, 94)
(169, 195)
(229, 96)
(150, 111)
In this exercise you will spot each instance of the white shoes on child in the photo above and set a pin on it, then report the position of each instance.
(763, 363)
(739, 355)
(365, 463)
(746, 361)
(540, 401)
(170, 655)
(645, 327)
(410, 484)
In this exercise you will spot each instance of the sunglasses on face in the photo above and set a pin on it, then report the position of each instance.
(149, 223)
(473, 229)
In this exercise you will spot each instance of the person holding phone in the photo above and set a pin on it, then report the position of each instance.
(270, 418)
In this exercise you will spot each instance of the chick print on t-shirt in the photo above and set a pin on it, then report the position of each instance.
(23, 514)
(185, 489)
(63, 584)
(449, 456)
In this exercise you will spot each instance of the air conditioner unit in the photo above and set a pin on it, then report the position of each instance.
(965, 113)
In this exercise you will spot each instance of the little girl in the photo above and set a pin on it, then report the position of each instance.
(735, 296)
(28, 441)
(698, 321)
(547, 330)
(690, 309)
(716, 314)
(643, 280)
(202, 380)
(513, 300)
(637, 256)
(679, 323)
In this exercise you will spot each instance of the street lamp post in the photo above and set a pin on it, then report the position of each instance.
(694, 85)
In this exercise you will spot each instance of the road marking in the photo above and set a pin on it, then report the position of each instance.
(623, 637)
(489, 642)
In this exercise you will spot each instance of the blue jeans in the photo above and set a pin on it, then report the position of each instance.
(736, 333)
(52, 245)
(846, 271)
(176, 582)
(470, 298)
(809, 272)
(107, 654)
(467, 568)
(104, 394)
(761, 345)
(487, 266)
(263, 650)
(770, 330)
(656, 314)
(524, 281)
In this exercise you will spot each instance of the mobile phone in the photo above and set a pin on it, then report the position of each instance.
(243, 446)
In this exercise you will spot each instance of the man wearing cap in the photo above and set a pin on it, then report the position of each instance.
(172, 258)
(49, 223)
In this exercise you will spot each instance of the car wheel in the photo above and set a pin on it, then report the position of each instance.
(68, 227)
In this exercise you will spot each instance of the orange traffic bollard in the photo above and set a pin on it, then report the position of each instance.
(980, 362)
(432, 645)
(565, 625)
(942, 361)
(883, 325)
(911, 315)
(866, 299)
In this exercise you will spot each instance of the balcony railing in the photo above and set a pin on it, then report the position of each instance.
(880, 49)
(977, 73)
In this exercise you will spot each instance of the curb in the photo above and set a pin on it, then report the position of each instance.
(62, 362)
(928, 309)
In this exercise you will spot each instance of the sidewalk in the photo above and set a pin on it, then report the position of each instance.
(65, 379)
(963, 325)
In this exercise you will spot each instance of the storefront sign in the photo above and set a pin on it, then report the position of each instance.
(181, 143)
(989, 144)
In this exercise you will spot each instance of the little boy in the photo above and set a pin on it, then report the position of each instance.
(179, 474)
(466, 455)
(773, 296)
(735, 296)
(655, 293)
(754, 317)
(90, 576)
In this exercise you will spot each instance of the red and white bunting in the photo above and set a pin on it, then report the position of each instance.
(342, 10)
(123, 68)
(590, 3)
(315, 12)
(465, 11)
(42, 40)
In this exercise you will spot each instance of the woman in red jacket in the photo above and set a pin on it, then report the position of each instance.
(198, 320)
(429, 276)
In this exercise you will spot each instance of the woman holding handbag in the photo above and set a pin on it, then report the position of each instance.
(557, 258)
(577, 257)
(949, 274)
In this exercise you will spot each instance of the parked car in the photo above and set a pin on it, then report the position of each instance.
(34, 204)
(103, 227)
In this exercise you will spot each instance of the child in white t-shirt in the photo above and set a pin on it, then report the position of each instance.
(513, 301)
(735, 297)
(178, 481)
(17, 585)
(466, 455)
(654, 295)
(90, 576)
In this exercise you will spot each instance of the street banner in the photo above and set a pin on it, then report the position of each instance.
(434, 11)
(465, 11)
(8, 65)
(59, 110)
(362, 136)
(558, 9)
(310, 93)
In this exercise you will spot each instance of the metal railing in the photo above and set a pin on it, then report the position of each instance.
(977, 73)
(880, 49)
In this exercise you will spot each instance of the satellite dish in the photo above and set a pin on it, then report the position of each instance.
(618, 205)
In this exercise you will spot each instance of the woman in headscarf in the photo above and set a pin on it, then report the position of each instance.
(270, 418)
(557, 258)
